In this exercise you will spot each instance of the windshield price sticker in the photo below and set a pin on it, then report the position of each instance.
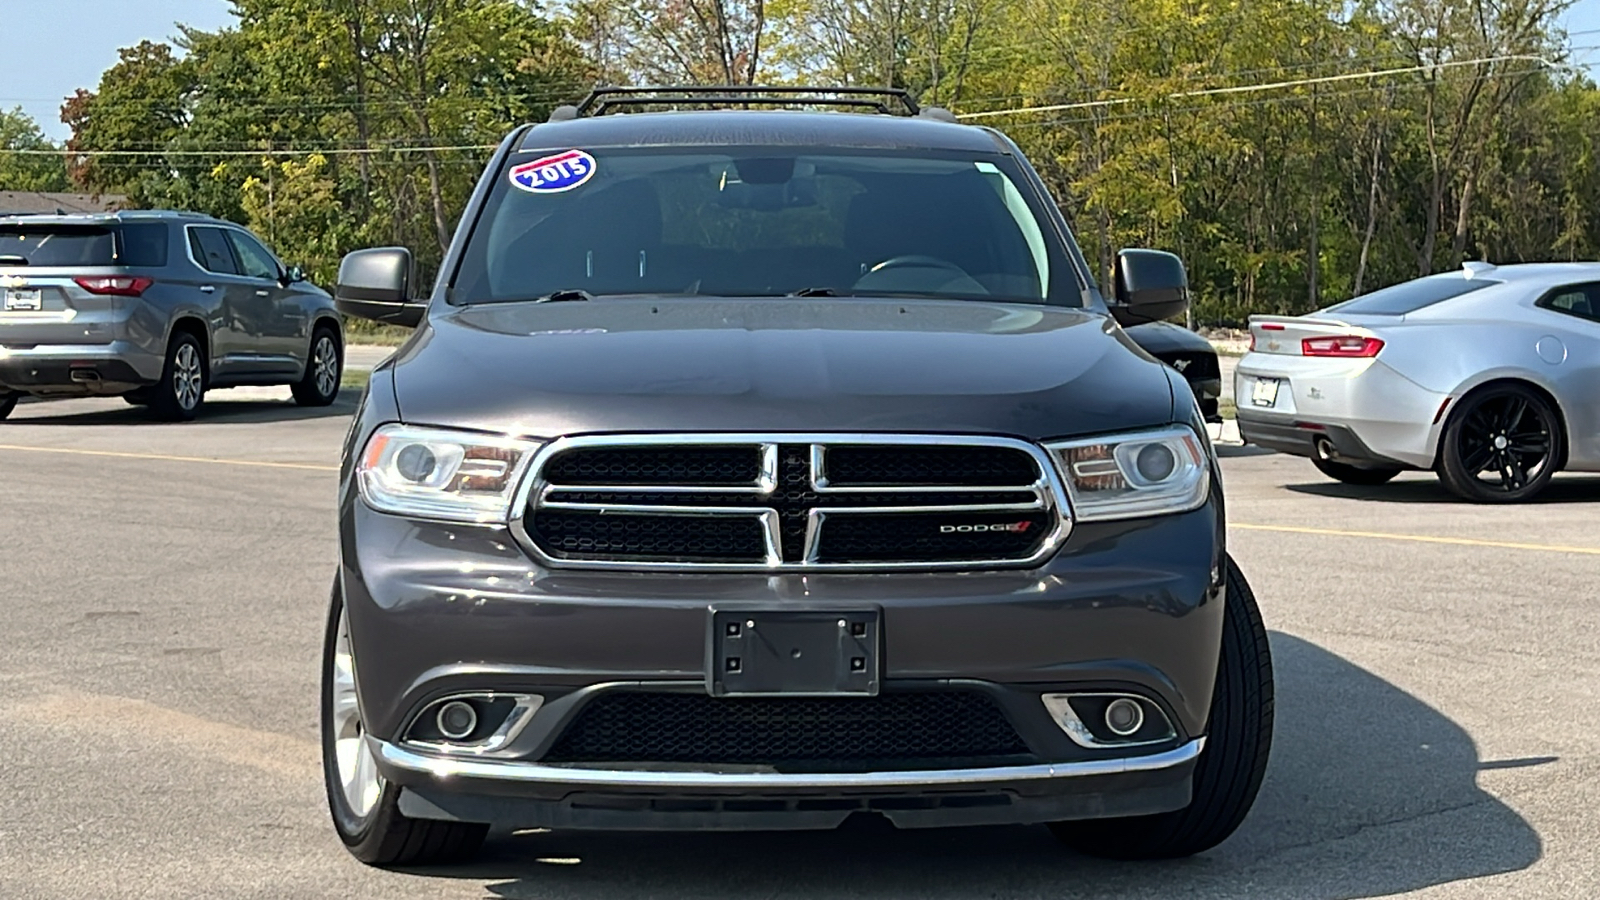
(554, 174)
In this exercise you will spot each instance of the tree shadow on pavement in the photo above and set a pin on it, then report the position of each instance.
(1562, 489)
(1369, 792)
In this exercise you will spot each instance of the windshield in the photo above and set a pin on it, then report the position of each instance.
(762, 221)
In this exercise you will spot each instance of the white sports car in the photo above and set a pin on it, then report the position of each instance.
(1489, 376)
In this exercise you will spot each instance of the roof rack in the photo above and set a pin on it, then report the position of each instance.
(884, 100)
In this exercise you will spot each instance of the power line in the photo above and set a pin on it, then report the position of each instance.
(1276, 85)
(340, 151)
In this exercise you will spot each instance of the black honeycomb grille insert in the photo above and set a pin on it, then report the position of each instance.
(896, 730)
(681, 465)
(648, 538)
(868, 466)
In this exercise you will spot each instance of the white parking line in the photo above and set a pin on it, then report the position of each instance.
(165, 458)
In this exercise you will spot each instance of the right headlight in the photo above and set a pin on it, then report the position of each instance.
(439, 473)
(1123, 476)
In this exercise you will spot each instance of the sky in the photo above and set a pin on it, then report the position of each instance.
(54, 47)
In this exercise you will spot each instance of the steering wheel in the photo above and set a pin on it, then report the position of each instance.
(919, 274)
(912, 261)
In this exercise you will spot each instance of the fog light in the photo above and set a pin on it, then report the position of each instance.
(457, 719)
(1124, 716)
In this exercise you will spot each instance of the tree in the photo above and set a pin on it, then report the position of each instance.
(28, 171)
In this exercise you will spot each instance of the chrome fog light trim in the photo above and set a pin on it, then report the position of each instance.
(1145, 724)
(516, 720)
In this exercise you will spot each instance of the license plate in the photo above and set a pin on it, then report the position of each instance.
(806, 653)
(1265, 392)
(22, 301)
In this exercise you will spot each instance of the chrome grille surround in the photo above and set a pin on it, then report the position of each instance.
(1047, 492)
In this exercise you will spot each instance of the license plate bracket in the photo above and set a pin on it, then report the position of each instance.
(17, 300)
(817, 653)
(1265, 392)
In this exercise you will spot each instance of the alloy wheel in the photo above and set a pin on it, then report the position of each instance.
(1505, 442)
(358, 772)
(187, 378)
(325, 365)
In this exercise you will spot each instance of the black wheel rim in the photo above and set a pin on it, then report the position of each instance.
(1504, 442)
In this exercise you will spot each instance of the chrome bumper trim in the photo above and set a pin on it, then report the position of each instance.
(530, 772)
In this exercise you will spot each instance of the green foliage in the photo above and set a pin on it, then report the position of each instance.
(1294, 152)
(28, 171)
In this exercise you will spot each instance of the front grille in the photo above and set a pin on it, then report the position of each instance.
(796, 503)
(891, 731)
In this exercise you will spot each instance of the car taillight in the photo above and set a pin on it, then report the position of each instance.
(118, 285)
(1344, 345)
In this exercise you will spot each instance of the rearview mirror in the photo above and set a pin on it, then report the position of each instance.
(1149, 285)
(376, 284)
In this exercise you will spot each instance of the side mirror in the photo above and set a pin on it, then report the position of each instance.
(376, 285)
(292, 275)
(1149, 285)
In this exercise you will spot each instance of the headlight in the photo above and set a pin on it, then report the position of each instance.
(436, 474)
(1127, 475)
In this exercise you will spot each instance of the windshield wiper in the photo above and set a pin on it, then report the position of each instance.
(564, 295)
(815, 292)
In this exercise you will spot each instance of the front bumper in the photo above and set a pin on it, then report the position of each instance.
(437, 609)
(530, 795)
(78, 369)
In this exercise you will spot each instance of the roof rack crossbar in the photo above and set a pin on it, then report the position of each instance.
(602, 99)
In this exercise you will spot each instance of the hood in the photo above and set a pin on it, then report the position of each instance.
(781, 365)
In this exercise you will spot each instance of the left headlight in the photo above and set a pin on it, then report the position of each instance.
(440, 474)
(1124, 476)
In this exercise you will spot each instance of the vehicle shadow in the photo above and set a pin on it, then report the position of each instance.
(1562, 489)
(219, 408)
(1231, 451)
(1369, 792)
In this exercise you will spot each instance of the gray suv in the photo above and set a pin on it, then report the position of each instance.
(157, 307)
(758, 469)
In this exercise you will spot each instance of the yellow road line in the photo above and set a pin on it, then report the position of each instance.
(1419, 538)
(165, 458)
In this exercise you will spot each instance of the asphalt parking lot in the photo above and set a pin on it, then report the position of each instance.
(165, 591)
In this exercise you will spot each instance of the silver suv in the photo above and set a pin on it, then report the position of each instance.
(157, 307)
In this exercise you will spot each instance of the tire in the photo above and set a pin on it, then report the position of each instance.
(324, 369)
(1509, 431)
(180, 393)
(8, 402)
(1354, 474)
(1229, 771)
(380, 834)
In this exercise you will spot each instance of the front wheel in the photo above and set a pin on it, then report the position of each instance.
(1230, 769)
(1354, 474)
(324, 369)
(1501, 445)
(365, 806)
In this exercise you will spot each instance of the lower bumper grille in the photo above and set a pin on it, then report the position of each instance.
(799, 734)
